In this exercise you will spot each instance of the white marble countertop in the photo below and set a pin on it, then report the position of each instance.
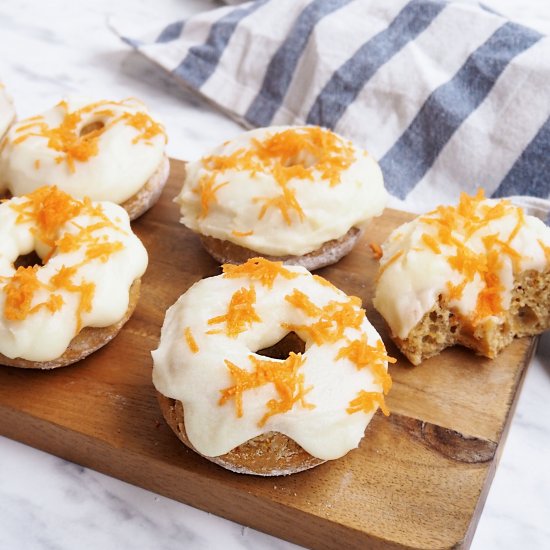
(50, 49)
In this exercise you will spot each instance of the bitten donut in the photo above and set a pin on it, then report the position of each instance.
(300, 194)
(7, 111)
(255, 414)
(475, 274)
(107, 151)
(83, 287)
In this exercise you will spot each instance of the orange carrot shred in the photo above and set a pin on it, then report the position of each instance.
(240, 313)
(191, 342)
(284, 375)
(364, 355)
(242, 233)
(258, 269)
(367, 402)
(78, 146)
(377, 251)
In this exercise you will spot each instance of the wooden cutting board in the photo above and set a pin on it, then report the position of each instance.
(418, 480)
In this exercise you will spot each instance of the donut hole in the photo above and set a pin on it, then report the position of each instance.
(28, 260)
(281, 350)
(95, 126)
(303, 158)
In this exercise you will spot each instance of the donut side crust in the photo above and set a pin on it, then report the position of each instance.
(88, 340)
(149, 194)
(441, 327)
(329, 253)
(269, 454)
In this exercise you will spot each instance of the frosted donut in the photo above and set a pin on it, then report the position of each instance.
(255, 414)
(107, 150)
(89, 277)
(7, 111)
(475, 274)
(300, 194)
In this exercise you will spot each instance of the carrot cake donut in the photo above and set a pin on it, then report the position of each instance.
(7, 112)
(476, 274)
(80, 288)
(299, 194)
(107, 150)
(235, 403)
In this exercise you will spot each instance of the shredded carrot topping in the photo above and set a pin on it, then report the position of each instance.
(49, 208)
(50, 211)
(307, 148)
(190, 340)
(102, 251)
(207, 191)
(324, 282)
(376, 250)
(332, 320)
(240, 313)
(301, 301)
(258, 269)
(492, 241)
(284, 375)
(55, 303)
(240, 159)
(20, 292)
(141, 121)
(364, 355)
(76, 144)
(63, 279)
(284, 202)
(431, 243)
(367, 402)
(467, 262)
(489, 300)
(454, 292)
(454, 227)
(520, 223)
(21, 288)
(292, 153)
(289, 155)
(69, 242)
(242, 233)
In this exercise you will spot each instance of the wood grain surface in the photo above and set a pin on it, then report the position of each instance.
(418, 480)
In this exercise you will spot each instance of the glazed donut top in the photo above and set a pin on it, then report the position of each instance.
(467, 254)
(282, 190)
(323, 399)
(7, 112)
(105, 150)
(90, 259)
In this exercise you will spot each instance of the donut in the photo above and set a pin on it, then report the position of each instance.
(7, 112)
(267, 369)
(80, 287)
(302, 195)
(107, 151)
(475, 274)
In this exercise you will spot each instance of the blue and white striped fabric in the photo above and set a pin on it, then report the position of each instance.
(447, 95)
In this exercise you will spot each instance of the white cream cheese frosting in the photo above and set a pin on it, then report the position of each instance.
(468, 255)
(282, 190)
(207, 359)
(7, 111)
(90, 256)
(105, 150)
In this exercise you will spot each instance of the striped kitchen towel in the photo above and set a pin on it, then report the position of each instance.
(447, 95)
